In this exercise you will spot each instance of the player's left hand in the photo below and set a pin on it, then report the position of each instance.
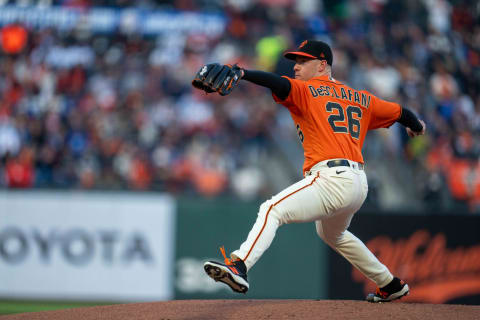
(413, 134)
(217, 78)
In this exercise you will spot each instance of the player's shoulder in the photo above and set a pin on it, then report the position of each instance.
(328, 79)
(295, 81)
(337, 83)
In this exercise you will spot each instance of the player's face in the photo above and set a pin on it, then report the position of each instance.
(306, 68)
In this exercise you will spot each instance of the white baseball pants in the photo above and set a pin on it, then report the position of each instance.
(328, 196)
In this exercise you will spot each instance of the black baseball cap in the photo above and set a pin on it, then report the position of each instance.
(312, 49)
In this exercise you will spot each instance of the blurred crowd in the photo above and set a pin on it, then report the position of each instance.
(117, 111)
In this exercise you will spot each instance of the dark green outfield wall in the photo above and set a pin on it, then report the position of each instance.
(294, 267)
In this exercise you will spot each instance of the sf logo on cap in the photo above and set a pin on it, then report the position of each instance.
(302, 44)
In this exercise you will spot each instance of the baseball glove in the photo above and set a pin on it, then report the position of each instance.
(217, 78)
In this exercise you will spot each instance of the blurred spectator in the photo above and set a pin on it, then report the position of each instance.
(19, 172)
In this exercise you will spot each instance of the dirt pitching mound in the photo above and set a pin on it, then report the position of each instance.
(260, 309)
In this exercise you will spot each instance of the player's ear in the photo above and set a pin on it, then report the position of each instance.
(322, 65)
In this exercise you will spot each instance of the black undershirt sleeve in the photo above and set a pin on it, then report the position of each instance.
(410, 120)
(280, 86)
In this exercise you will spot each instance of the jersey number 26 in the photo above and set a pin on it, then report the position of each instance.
(354, 114)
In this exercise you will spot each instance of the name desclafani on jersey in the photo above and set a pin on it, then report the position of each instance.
(351, 95)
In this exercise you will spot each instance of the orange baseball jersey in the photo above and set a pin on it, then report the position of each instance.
(332, 119)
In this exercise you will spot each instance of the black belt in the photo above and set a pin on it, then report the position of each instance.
(342, 163)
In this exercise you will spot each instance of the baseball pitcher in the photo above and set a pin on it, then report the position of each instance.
(332, 120)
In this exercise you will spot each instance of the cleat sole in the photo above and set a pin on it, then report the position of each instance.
(220, 273)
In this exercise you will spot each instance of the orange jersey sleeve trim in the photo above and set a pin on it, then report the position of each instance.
(296, 98)
(384, 113)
